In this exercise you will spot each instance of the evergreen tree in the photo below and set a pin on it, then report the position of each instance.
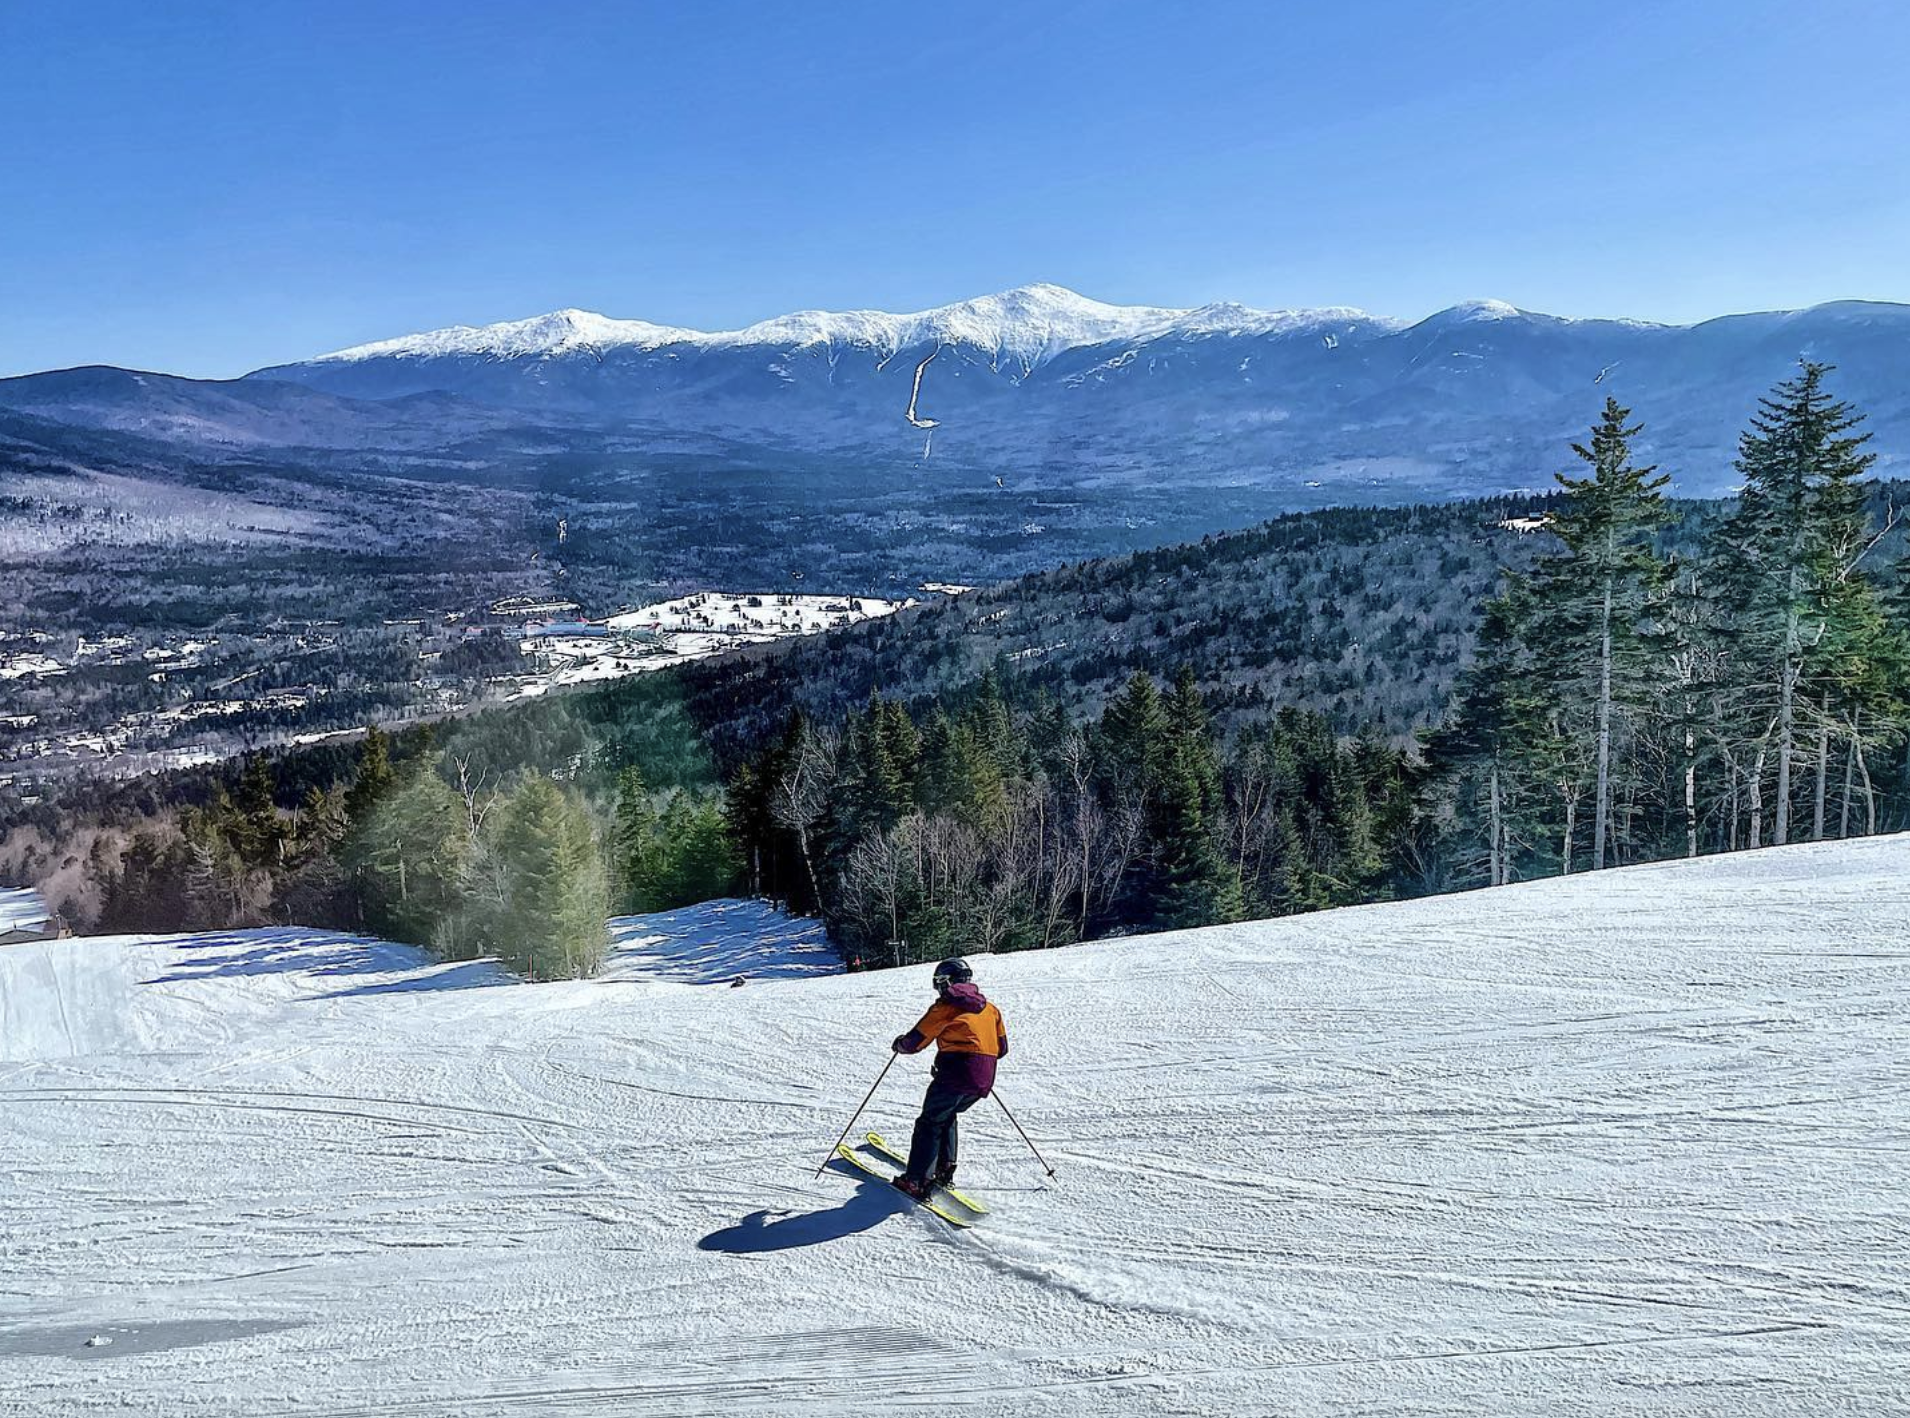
(1129, 753)
(1484, 751)
(374, 778)
(1593, 605)
(148, 889)
(550, 919)
(1131, 737)
(896, 750)
(1191, 882)
(256, 830)
(992, 729)
(412, 855)
(938, 781)
(692, 858)
(633, 839)
(311, 887)
(878, 761)
(1786, 558)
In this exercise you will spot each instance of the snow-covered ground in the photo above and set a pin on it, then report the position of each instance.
(691, 627)
(1629, 1144)
(718, 942)
(20, 909)
(752, 616)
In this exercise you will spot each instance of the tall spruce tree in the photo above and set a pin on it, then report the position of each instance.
(1594, 605)
(1130, 745)
(633, 839)
(1786, 558)
(374, 778)
(411, 854)
(1191, 882)
(1485, 749)
(550, 920)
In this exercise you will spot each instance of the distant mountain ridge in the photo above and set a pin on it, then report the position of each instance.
(1027, 325)
(1039, 385)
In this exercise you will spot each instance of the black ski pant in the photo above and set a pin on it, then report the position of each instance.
(932, 1149)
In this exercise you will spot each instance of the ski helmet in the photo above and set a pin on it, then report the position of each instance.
(952, 972)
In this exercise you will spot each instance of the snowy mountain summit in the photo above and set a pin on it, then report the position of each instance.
(1023, 327)
(560, 332)
(1477, 397)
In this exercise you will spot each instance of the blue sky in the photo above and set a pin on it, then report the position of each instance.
(207, 187)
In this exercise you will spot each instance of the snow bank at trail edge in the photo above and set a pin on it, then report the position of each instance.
(20, 907)
(716, 942)
(1632, 1143)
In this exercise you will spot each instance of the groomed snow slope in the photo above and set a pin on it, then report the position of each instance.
(1627, 1145)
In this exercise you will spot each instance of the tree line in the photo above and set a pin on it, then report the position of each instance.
(1626, 702)
(1650, 678)
(990, 826)
(437, 849)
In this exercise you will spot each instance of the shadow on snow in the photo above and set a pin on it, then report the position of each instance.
(871, 1204)
(716, 941)
(321, 955)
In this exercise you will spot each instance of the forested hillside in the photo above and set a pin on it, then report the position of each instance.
(1335, 707)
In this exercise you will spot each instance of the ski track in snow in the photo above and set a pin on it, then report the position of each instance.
(1627, 1144)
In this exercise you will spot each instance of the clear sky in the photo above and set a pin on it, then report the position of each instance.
(208, 187)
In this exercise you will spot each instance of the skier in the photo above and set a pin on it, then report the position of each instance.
(969, 1036)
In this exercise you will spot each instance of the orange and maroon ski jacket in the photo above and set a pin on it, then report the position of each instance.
(969, 1036)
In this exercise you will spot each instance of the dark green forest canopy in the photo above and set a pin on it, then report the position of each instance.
(1366, 615)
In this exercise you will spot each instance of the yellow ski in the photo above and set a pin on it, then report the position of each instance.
(850, 1154)
(876, 1141)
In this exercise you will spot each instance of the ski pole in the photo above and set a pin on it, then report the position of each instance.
(858, 1112)
(1024, 1137)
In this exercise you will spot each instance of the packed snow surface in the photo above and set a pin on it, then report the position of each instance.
(20, 909)
(1632, 1143)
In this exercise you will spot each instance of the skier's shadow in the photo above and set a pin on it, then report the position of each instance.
(766, 1230)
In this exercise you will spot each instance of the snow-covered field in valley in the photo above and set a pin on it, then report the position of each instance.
(1633, 1144)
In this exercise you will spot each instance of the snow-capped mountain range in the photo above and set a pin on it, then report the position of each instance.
(1022, 328)
(1036, 381)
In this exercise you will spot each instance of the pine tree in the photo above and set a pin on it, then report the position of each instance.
(1485, 749)
(878, 764)
(1129, 753)
(1132, 734)
(255, 828)
(1593, 604)
(993, 729)
(937, 781)
(412, 855)
(897, 753)
(1192, 885)
(692, 856)
(374, 777)
(550, 921)
(632, 840)
(1786, 556)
